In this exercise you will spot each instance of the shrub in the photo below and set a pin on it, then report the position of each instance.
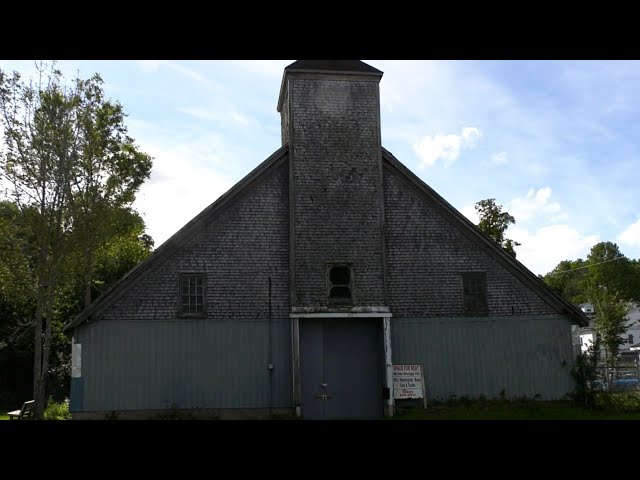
(618, 402)
(585, 374)
(57, 411)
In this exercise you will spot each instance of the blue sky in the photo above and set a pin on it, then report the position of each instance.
(557, 143)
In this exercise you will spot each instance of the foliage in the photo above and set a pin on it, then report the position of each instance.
(610, 323)
(618, 402)
(175, 414)
(494, 222)
(614, 270)
(606, 266)
(112, 415)
(585, 374)
(610, 281)
(57, 410)
(568, 280)
(70, 172)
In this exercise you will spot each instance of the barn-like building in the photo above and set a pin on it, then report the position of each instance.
(299, 289)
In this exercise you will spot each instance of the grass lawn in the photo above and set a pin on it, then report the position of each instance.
(4, 417)
(523, 410)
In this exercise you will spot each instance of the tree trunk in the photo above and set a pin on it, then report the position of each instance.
(47, 341)
(88, 275)
(37, 357)
(41, 309)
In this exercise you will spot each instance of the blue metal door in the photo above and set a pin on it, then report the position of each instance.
(341, 368)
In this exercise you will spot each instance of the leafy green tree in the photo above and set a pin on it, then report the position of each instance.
(568, 279)
(605, 265)
(69, 166)
(35, 163)
(17, 297)
(610, 281)
(494, 222)
(611, 268)
(108, 172)
(611, 312)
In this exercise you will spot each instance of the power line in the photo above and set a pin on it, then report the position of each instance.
(586, 266)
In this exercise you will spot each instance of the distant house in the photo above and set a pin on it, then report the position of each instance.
(300, 288)
(630, 337)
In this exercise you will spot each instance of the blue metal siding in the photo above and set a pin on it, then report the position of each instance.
(464, 356)
(139, 365)
(76, 395)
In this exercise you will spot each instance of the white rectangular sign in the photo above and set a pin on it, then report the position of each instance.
(76, 360)
(407, 382)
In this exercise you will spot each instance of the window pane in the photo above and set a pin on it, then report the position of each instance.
(339, 275)
(340, 292)
(474, 293)
(192, 293)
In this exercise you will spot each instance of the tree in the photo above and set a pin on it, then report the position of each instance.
(568, 280)
(611, 313)
(605, 265)
(17, 297)
(36, 165)
(67, 161)
(610, 267)
(494, 222)
(585, 373)
(609, 281)
(107, 175)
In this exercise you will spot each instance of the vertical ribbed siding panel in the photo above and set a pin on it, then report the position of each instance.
(139, 365)
(522, 356)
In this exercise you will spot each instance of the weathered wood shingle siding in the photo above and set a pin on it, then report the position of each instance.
(140, 353)
(473, 356)
(335, 160)
(427, 252)
(238, 250)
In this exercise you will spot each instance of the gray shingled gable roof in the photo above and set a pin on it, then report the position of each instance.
(353, 66)
(521, 272)
(175, 241)
(185, 233)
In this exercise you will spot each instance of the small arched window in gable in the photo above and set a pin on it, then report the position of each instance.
(340, 284)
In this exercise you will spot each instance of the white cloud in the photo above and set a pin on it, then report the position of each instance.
(446, 147)
(470, 212)
(150, 66)
(213, 114)
(499, 158)
(268, 68)
(533, 204)
(191, 169)
(179, 189)
(155, 66)
(542, 250)
(631, 235)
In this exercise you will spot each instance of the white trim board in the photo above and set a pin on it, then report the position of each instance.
(341, 315)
